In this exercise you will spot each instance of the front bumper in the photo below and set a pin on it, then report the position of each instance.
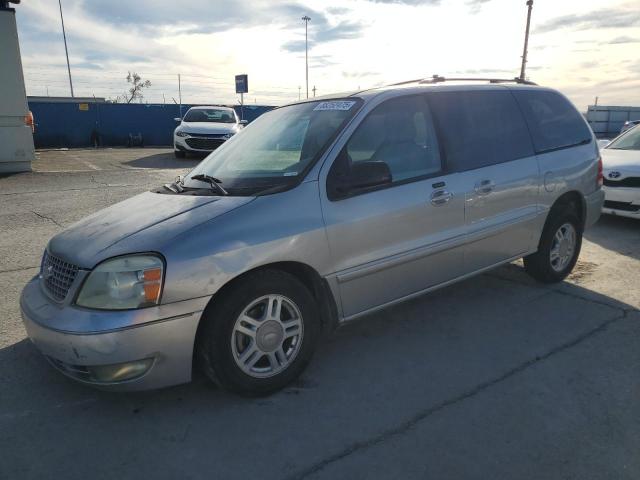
(74, 340)
(622, 201)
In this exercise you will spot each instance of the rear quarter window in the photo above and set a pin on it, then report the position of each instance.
(553, 121)
(480, 128)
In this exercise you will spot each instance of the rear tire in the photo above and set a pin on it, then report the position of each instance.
(179, 153)
(558, 250)
(260, 335)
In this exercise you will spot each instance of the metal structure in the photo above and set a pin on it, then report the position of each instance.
(83, 122)
(66, 50)
(439, 79)
(526, 40)
(306, 19)
(180, 95)
(607, 121)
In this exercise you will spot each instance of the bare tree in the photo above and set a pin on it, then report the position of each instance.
(137, 84)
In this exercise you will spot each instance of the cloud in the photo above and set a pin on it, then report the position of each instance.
(360, 74)
(199, 16)
(484, 71)
(623, 39)
(597, 19)
(325, 33)
(476, 5)
(414, 3)
(338, 10)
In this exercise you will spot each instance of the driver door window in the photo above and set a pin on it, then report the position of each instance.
(400, 133)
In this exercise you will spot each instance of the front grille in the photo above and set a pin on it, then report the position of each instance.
(57, 275)
(630, 182)
(204, 143)
(624, 206)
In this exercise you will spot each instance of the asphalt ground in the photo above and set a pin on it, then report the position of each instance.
(497, 377)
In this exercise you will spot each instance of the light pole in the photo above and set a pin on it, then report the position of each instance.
(66, 51)
(306, 50)
(526, 40)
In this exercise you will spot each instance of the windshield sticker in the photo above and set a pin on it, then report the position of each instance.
(339, 105)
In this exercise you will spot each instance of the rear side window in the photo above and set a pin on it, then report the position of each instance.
(553, 121)
(480, 128)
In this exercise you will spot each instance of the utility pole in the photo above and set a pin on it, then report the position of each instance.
(306, 19)
(180, 95)
(526, 40)
(66, 51)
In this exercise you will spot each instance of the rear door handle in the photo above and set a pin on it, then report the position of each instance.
(440, 197)
(484, 187)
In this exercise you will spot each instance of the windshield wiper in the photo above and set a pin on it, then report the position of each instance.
(176, 186)
(214, 182)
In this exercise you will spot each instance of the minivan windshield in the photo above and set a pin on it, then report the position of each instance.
(628, 141)
(218, 115)
(275, 151)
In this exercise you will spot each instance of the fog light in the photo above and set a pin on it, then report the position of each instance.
(120, 372)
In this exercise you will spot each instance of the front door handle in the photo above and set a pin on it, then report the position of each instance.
(484, 187)
(440, 197)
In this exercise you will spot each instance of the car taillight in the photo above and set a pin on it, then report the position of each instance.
(600, 179)
(28, 121)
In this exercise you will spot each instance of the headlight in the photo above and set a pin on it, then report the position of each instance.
(123, 283)
(182, 134)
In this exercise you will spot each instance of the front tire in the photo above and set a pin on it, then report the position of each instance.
(559, 248)
(260, 335)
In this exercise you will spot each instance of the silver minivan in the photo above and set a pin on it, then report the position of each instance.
(317, 213)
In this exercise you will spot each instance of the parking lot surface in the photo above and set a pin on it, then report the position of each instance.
(495, 377)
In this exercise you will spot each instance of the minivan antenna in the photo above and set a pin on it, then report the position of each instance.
(526, 40)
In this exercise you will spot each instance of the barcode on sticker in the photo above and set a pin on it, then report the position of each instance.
(335, 105)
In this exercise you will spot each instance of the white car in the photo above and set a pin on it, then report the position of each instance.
(628, 125)
(203, 129)
(621, 163)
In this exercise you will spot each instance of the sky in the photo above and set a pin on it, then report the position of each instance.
(584, 48)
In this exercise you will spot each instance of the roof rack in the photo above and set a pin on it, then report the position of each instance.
(440, 79)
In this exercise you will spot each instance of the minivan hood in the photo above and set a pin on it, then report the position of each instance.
(628, 160)
(122, 228)
(208, 127)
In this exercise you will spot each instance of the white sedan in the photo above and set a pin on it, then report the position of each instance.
(621, 169)
(203, 129)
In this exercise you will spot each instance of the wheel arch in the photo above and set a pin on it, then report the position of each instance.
(573, 200)
(306, 274)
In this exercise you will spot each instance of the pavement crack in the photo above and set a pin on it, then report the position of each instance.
(11, 270)
(615, 304)
(46, 218)
(424, 414)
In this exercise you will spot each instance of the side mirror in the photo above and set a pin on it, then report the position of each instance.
(362, 176)
(177, 119)
(244, 122)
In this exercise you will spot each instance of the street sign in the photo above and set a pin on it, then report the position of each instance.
(242, 83)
